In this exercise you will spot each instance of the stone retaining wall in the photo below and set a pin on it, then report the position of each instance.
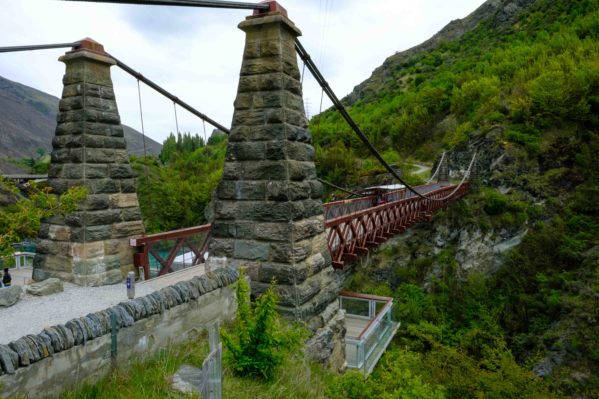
(66, 355)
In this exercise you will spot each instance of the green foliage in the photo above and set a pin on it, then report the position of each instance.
(392, 380)
(174, 195)
(23, 219)
(258, 342)
(182, 144)
(38, 164)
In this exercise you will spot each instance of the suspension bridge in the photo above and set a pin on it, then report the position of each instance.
(269, 215)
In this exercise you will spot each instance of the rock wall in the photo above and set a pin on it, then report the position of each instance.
(66, 355)
(91, 245)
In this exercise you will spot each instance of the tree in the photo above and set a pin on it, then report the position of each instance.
(23, 219)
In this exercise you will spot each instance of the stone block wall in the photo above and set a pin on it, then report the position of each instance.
(66, 355)
(90, 246)
(268, 213)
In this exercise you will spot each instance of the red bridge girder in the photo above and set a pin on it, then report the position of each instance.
(354, 234)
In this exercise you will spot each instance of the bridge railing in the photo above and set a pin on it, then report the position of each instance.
(369, 328)
(162, 253)
(353, 234)
(335, 209)
(353, 227)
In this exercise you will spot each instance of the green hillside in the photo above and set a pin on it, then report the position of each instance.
(499, 296)
(531, 71)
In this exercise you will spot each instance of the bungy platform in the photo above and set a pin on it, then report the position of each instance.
(369, 326)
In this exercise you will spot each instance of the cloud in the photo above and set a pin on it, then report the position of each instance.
(196, 53)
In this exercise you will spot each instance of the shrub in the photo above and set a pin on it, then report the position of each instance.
(258, 341)
(23, 219)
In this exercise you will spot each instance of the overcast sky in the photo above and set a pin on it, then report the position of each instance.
(196, 53)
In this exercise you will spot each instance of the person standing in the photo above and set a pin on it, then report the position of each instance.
(7, 279)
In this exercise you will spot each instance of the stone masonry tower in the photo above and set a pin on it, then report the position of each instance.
(268, 211)
(90, 246)
(443, 176)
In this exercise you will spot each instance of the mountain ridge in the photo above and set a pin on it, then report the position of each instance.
(499, 12)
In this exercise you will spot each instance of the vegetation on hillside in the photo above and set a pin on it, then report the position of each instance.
(539, 74)
(175, 188)
(532, 92)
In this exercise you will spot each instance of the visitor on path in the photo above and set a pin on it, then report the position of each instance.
(7, 278)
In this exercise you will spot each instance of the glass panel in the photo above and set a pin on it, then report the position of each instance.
(355, 306)
(380, 306)
(351, 355)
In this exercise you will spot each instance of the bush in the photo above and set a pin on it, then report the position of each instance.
(258, 342)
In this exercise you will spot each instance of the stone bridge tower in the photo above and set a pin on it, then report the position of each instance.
(90, 246)
(268, 215)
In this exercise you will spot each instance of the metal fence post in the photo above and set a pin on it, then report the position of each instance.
(212, 368)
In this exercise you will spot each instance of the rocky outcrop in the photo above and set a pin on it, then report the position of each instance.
(7, 197)
(326, 346)
(46, 287)
(187, 380)
(474, 249)
(10, 295)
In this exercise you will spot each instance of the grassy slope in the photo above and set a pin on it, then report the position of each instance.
(150, 379)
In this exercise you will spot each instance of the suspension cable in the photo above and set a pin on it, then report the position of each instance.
(302, 79)
(320, 112)
(466, 175)
(339, 188)
(205, 138)
(341, 108)
(238, 5)
(13, 49)
(143, 131)
(434, 175)
(176, 119)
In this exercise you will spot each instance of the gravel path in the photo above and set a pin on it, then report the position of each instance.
(32, 314)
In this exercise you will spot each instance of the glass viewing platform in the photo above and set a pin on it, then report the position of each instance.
(369, 326)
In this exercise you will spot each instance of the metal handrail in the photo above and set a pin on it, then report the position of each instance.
(145, 248)
(169, 235)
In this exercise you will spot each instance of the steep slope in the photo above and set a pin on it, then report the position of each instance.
(499, 296)
(496, 13)
(28, 120)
